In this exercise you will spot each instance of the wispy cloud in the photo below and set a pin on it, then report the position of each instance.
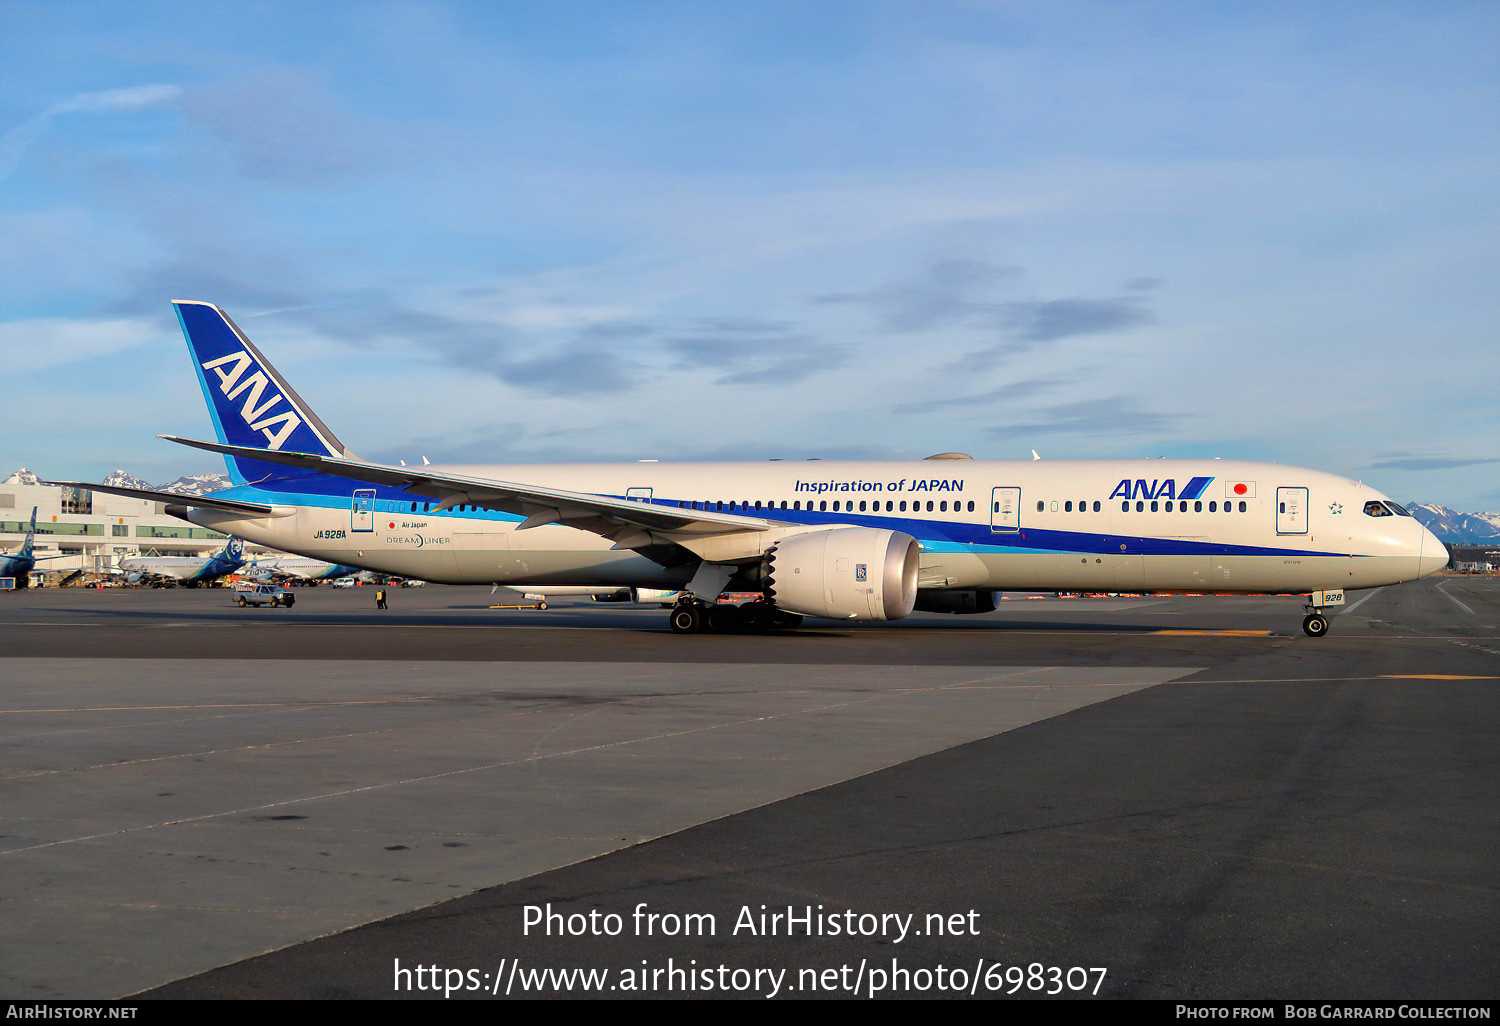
(945, 292)
(1408, 462)
(751, 351)
(1053, 319)
(54, 342)
(983, 400)
(1116, 415)
(15, 143)
(133, 98)
(967, 294)
(284, 127)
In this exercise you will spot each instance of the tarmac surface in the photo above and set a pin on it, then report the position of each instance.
(330, 801)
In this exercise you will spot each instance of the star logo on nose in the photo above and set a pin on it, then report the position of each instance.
(1335, 508)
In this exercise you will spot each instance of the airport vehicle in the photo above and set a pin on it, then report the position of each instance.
(257, 593)
(847, 540)
(18, 565)
(188, 571)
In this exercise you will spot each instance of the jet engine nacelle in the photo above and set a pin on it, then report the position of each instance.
(956, 602)
(848, 573)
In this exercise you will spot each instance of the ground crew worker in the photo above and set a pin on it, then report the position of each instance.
(380, 599)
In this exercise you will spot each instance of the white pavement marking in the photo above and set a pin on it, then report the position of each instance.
(1350, 609)
(1443, 590)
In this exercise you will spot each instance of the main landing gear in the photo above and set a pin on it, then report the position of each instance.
(690, 616)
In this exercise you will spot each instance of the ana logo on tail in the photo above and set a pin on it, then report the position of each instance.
(253, 387)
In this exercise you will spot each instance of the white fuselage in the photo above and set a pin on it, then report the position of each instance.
(1105, 525)
(177, 568)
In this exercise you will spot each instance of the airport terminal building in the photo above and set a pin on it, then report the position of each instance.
(96, 528)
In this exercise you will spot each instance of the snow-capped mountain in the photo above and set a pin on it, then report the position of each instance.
(195, 484)
(190, 484)
(1452, 526)
(186, 485)
(121, 479)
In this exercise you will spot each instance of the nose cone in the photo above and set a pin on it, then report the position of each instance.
(1434, 554)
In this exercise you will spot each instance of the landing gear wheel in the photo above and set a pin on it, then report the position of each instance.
(687, 618)
(724, 618)
(782, 620)
(756, 616)
(1315, 626)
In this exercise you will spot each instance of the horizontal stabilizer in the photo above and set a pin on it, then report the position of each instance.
(199, 501)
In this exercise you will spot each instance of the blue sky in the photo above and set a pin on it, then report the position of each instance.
(577, 231)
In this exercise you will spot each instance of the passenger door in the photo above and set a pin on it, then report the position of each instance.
(1291, 511)
(1005, 510)
(362, 510)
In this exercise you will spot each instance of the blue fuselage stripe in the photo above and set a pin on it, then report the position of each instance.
(324, 491)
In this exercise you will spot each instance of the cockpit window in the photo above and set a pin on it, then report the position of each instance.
(1399, 509)
(1376, 509)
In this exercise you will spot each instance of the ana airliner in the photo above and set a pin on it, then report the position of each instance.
(853, 541)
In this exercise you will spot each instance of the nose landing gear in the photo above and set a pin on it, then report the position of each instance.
(1316, 624)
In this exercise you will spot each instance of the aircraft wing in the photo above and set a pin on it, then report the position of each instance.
(150, 574)
(203, 501)
(625, 521)
(37, 559)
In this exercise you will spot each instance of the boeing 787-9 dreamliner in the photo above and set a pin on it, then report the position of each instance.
(846, 540)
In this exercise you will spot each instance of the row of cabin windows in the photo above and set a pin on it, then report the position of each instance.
(941, 505)
(1181, 506)
(839, 506)
(426, 507)
(1041, 506)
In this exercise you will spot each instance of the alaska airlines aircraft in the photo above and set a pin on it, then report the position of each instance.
(291, 568)
(858, 541)
(19, 565)
(189, 571)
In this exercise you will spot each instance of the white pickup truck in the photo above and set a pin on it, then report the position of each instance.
(248, 594)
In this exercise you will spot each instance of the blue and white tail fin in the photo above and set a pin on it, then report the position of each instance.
(27, 546)
(251, 404)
